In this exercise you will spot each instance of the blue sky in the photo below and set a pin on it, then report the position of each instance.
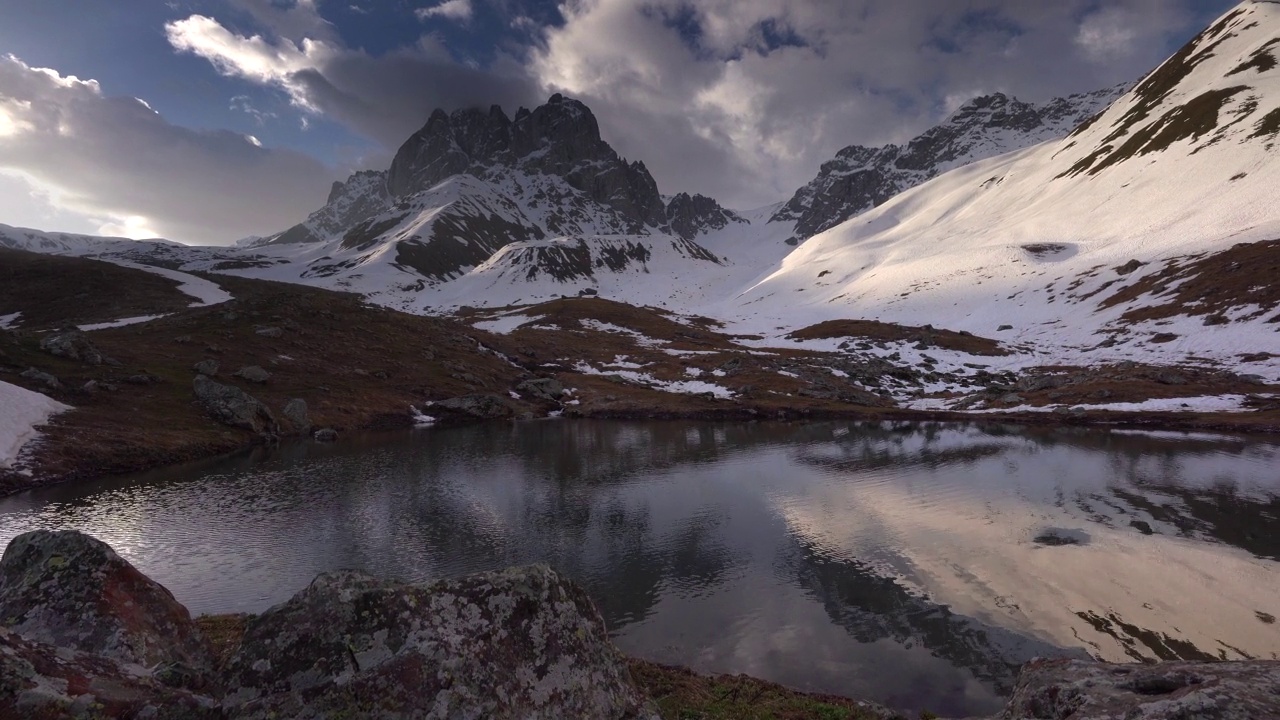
(252, 107)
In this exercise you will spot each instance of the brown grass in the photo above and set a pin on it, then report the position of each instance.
(1206, 285)
(875, 330)
(52, 291)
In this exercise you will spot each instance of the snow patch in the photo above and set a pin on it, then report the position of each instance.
(21, 410)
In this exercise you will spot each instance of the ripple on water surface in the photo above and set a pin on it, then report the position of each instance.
(912, 563)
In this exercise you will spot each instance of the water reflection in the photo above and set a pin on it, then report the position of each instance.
(896, 561)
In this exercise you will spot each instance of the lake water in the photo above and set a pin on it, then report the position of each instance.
(916, 564)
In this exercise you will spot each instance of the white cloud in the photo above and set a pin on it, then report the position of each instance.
(459, 10)
(114, 163)
(385, 98)
(744, 99)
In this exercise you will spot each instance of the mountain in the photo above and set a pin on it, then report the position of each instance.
(860, 178)
(1150, 233)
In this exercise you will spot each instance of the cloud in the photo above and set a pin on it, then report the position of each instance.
(114, 161)
(459, 10)
(744, 99)
(385, 97)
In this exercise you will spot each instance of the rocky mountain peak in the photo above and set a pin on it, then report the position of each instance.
(560, 138)
(860, 178)
(692, 215)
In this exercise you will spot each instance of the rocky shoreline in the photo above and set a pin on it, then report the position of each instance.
(86, 635)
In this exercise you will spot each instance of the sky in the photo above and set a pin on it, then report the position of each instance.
(206, 121)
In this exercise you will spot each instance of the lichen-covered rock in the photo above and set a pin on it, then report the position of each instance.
(208, 366)
(519, 643)
(71, 590)
(38, 681)
(42, 377)
(486, 407)
(326, 435)
(232, 406)
(1079, 690)
(253, 374)
(73, 345)
(543, 388)
(295, 413)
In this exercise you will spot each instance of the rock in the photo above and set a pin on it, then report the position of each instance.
(326, 435)
(479, 406)
(1128, 267)
(253, 374)
(270, 332)
(142, 379)
(1216, 319)
(1168, 377)
(41, 377)
(1081, 690)
(1011, 398)
(232, 406)
(1036, 383)
(71, 590)
(73, 345)
(1002, 328)
(41, 681)
(542, 388)
(1163, 338)
(206, 367)
(295, 413)
(518, 643)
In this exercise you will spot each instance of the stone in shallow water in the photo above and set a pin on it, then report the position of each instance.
(1076, 690)
(519, 643)
(71, 590)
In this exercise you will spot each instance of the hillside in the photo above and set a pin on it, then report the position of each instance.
(1149, 234)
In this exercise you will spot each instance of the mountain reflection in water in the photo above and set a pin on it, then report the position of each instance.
(893, 561)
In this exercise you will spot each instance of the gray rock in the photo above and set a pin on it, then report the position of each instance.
(73, 345)
(41, 377)
(270, 332)
(295, 413)
(1168, 377)
(480, 406)
(71, 590)
(41, 681)
(542, 388)
(253, 374)
(1011, 398)
(326, 435)
(1002, 328)
(1079, 690)
(1035, 383)
(232, 406)
(206, 367)
(519, 643)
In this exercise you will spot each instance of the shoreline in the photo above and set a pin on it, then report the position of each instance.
(1221, 423)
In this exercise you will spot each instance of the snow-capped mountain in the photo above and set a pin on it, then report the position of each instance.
(860, 178)
(1148, 233)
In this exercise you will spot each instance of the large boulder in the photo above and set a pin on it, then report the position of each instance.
(232, 406)
(519, 643)
(295, 413)
(486, 407)
(1081, 690)
(73, 345)
(43, 682)
(542, 388)
(70, 590)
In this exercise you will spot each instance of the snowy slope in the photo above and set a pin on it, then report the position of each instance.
(1182, 164)
(860, 178)
(21, 410)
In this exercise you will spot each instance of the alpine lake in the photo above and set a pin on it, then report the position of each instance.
(915, 564)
